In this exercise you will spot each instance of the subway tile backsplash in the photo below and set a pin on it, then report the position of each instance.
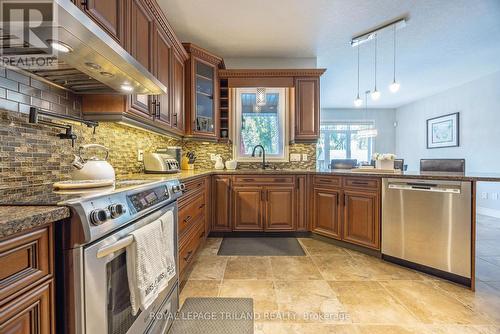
(18, 92)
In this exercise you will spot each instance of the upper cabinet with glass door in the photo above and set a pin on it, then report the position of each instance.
(202, 116)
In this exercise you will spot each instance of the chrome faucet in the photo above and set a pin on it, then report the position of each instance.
(263, 153)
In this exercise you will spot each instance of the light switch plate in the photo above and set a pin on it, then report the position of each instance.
(140, 155)
(212, 156)
(294, 157)
(305, 157)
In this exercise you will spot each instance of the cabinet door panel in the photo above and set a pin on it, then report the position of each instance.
(307, 109)
(178, 95)
(31, 313)
(162, 59)
(141, 33)
(221, 195)
(301, 203)
(247, 208)
(361, 218)
(108, 14)
(280, 208)
(326, 212)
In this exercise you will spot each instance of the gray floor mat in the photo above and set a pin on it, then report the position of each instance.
(260, 246)
(214, 316)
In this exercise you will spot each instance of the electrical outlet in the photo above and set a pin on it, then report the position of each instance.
(494, 196)
(305, 157)
(294, 157)
(212, 156)
(484, 195)
(140, 155)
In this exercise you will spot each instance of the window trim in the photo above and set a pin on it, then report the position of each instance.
(284, 104)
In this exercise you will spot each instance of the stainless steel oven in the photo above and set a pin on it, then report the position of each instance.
(96, 290)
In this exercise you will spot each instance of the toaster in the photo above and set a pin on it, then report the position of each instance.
(160, 162)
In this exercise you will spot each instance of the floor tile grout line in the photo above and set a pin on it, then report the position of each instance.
(402, 304)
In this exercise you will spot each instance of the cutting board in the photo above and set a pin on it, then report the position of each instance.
(82, 184)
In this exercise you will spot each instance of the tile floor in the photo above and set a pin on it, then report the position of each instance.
(335, 290)
(488, 251)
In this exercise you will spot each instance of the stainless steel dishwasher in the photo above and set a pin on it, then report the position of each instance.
(426, 224)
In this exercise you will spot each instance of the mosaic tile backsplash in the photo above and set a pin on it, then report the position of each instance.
(32, 154)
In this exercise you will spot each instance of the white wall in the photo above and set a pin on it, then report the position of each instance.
(261, 63)
(384, 122)
(479, 105)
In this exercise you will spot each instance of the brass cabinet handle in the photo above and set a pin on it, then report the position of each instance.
(187, 219)
(360, 183)
(201, 206)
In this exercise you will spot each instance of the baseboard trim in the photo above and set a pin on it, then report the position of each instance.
(488, 212)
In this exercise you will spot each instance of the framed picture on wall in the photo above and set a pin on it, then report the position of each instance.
(443, 131)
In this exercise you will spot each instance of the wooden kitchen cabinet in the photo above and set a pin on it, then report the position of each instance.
(307, 109)
(110, 15)
(347, 208)
(248, 208)
(327, 213)
(202, 93)
(301, 202)
(280, 205)
(221, 203)
(177, 94)
(152, 42)
(162, 56)
(362, 218)
(27, 283)
(31, 313)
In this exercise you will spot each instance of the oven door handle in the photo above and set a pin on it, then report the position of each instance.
(114, 247)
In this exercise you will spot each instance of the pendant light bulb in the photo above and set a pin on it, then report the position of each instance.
(375, 95)
(358, 102)
(394, 87)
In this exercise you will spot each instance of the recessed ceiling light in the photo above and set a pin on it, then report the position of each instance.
(127, 87)
(93, 66)
(60, 46)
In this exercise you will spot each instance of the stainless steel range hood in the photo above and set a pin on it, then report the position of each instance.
(96, 63)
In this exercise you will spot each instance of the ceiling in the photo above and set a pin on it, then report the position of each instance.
(445, 43)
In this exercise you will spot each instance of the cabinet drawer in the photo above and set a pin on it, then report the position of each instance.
(327, 180)
(188, 250)
(191, 213)
(253, 179)
(192, 188)
(25, 260)
(32, 312)
(361, 183)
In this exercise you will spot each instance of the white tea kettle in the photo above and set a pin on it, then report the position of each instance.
(92, 168)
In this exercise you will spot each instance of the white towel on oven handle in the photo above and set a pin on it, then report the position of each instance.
(150, 261)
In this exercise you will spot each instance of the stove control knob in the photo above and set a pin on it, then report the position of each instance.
(116, 210)
(98, 216)
(178, 188)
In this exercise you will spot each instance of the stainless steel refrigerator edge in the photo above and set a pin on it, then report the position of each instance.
(428, 222)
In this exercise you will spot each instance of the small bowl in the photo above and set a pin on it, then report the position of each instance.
(231, 164)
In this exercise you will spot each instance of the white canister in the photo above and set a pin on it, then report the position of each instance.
(231, 164)
(384, 164)
(219, 164)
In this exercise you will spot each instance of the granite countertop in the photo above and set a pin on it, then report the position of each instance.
(186, 175)
(14, 219)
